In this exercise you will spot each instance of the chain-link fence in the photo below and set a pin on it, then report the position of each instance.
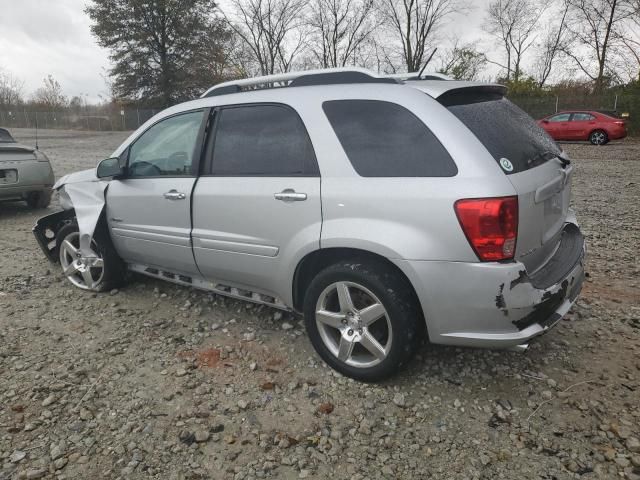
(109, 118)
(100, 119)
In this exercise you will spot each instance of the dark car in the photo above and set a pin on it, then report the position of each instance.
(594, 126)
(25, 173)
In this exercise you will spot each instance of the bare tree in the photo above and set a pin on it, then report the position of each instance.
(598, 26)
(11, 89)
(462, 61)
(515, 23)
(271, 29)
(556, 39)
(339, 29)
(631, 41)
(414, 24)
(50, 94)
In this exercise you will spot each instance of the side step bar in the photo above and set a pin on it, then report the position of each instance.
(217, 288)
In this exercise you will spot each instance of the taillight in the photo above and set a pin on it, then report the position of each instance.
(491, 226)
(619, 122)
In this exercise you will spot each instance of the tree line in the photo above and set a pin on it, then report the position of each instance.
(166, 51)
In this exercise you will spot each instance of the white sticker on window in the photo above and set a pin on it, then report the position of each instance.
(506, 165)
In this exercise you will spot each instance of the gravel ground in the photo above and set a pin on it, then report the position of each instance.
(159, 381)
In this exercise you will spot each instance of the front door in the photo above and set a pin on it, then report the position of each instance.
(258, 204)
(149, 210)
(558, 126)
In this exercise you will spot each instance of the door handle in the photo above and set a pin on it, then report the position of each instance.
(290, 195)
(174, 195)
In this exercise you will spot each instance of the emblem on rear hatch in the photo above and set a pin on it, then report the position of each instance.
(506, 165)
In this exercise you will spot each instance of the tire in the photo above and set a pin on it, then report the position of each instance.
(40, 199)
(598, 137)
(108, 275)
(397, 332)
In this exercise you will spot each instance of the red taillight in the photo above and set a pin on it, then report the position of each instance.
(620, 122)
(491, 226)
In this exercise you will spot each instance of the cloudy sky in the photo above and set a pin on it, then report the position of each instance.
(41, 37)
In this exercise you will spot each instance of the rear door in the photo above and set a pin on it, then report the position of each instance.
(149, 211)
(534, 164)
(258, 199)
(581, 125)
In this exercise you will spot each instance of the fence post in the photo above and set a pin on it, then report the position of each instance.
(556, 103)
(615, 103)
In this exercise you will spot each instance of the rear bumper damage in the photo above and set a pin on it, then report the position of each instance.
(498, 305)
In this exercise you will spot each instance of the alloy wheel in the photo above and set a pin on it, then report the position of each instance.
(598, 138)
(83, 272)
(353, 324)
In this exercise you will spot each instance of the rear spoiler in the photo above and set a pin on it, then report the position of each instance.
(475, 94)
(451, 89)
(15, 148)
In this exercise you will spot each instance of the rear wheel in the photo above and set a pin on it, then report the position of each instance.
(102, 270)
(362, 319)
(39, 199)
(598, 137)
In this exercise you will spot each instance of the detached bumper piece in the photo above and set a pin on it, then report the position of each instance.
(564, 268)
(45, 231)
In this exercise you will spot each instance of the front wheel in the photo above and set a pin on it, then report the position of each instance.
(40, 199)
(100, 271)
(598, 137)
(363, 319)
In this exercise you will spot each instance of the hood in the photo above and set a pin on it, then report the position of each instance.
(88, 175)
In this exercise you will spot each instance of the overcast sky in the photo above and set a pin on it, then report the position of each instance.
(41, 37)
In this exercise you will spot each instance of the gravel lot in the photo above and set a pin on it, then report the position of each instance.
(158, 381)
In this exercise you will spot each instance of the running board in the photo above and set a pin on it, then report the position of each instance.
(217, 288)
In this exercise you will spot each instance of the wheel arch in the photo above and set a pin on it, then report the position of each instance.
(312, 263)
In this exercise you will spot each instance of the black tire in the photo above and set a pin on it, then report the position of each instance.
(113, 266)
(40, 199)
(598, 137)
(399, 301)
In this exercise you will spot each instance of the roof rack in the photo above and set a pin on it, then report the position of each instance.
(327, 76)
(417, 76)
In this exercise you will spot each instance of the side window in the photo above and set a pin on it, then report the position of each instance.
(262, 140)
(563, 117)
(582, 117)
(167, 148)
(383, 139)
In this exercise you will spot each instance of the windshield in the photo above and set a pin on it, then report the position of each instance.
(504, 129)
(5, 136)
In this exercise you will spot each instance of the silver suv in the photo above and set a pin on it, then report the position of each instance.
(382, 209)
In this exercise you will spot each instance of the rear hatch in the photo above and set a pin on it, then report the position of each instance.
(529, 157)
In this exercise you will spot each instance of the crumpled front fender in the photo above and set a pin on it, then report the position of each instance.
(86, 194)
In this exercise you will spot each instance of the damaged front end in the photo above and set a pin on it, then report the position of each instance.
(82, 198)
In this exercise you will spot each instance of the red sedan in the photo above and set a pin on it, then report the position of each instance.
(596, 127)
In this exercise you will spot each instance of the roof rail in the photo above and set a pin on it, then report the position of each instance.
(327, 76)
(417, 76)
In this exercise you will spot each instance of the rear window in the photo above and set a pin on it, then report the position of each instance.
(506, 131)
(5, 136)
(383, 139)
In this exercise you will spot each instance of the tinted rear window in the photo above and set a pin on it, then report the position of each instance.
(5, 136)
(504, 129)
(268, 140)
(383, 139)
